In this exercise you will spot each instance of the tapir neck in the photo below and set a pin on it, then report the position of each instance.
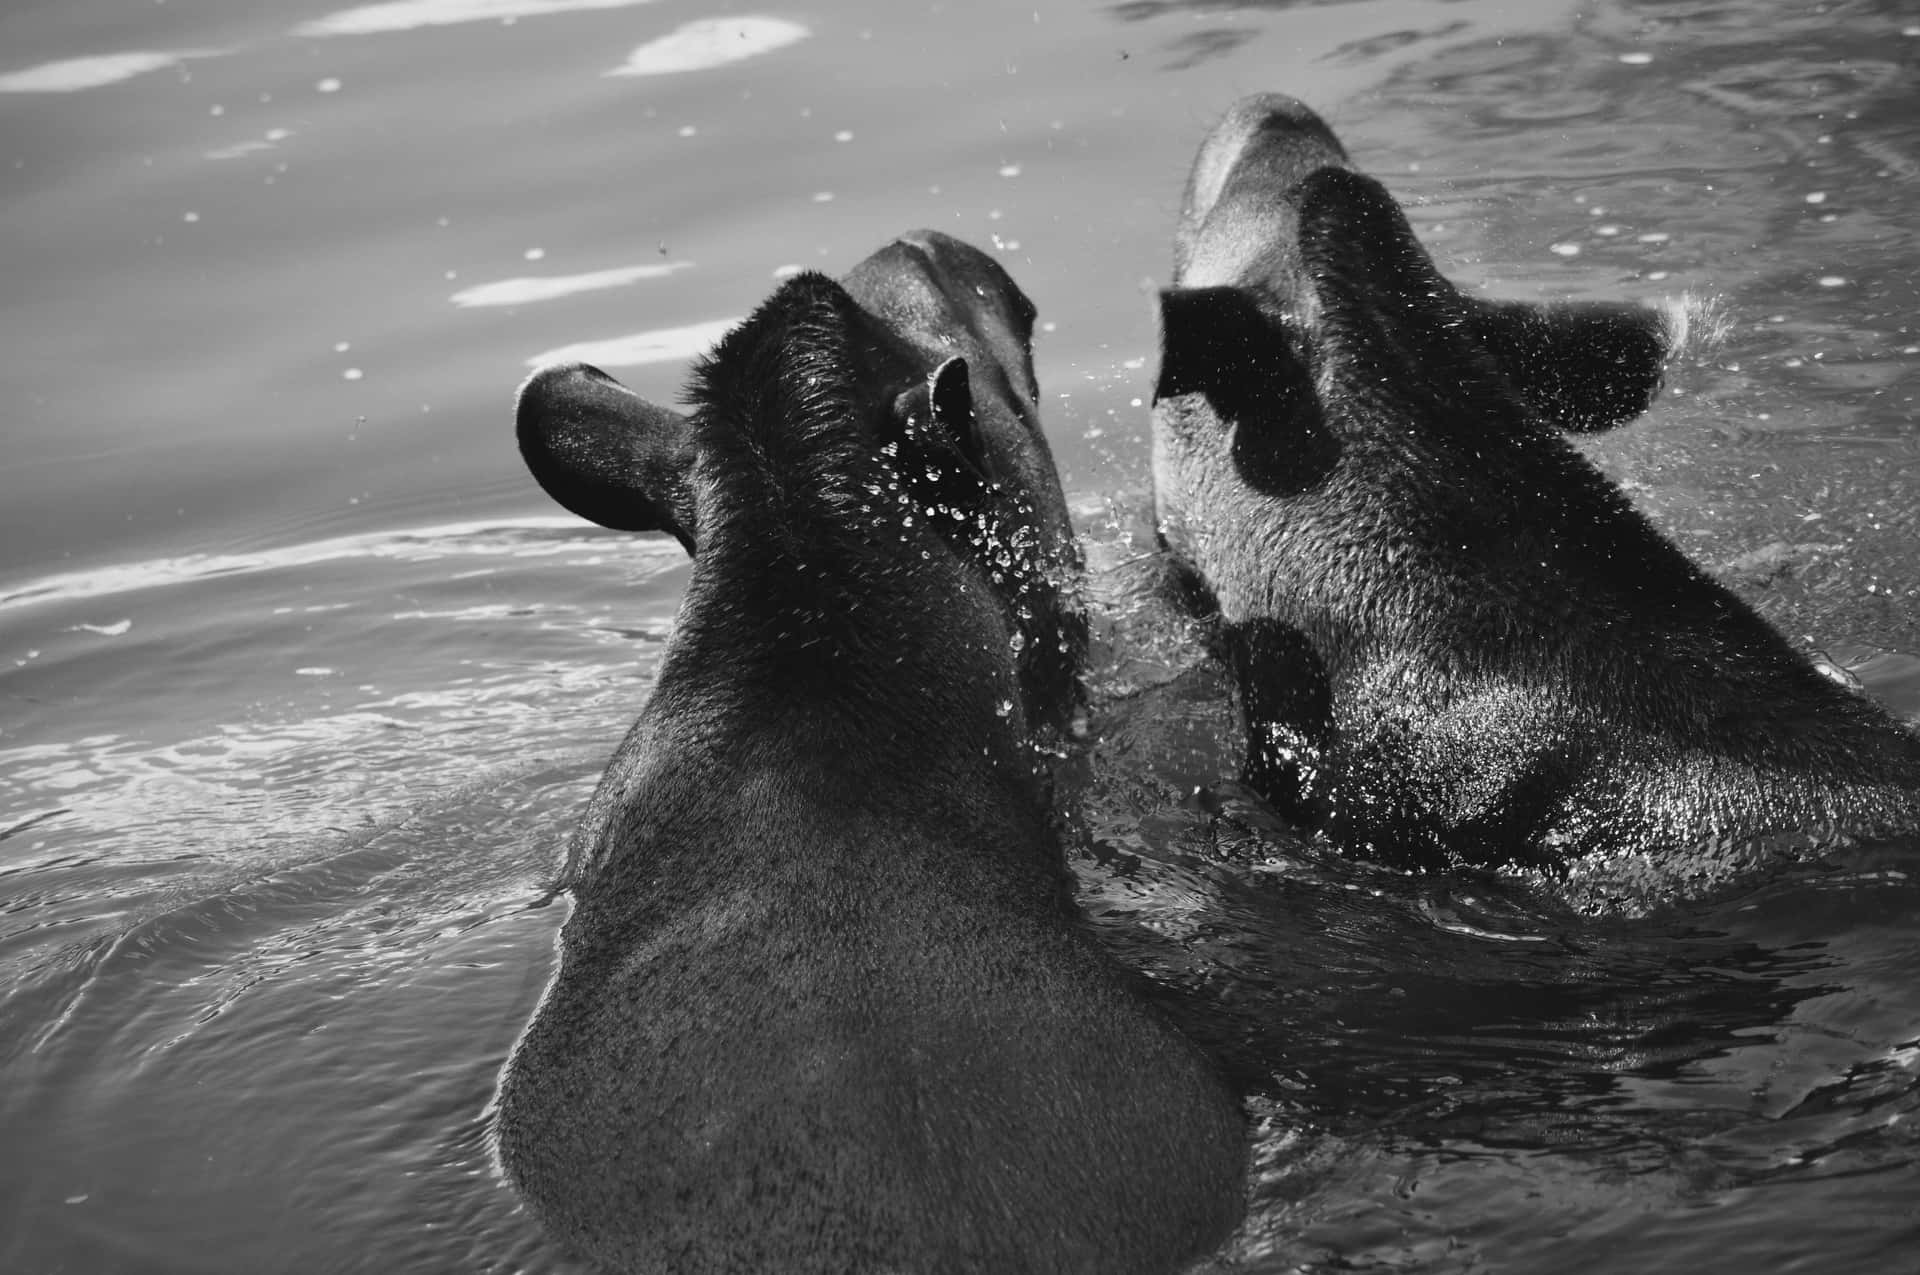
(906, 652)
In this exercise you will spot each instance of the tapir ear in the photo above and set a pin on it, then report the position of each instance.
(1220, 343)
(1585, 367)
(943, 405)
(606, 453)
(1208, 336)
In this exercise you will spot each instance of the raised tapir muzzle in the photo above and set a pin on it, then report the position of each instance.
(823, 1003)
(1455, 640)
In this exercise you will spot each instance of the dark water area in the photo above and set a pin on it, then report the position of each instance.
(303, 682)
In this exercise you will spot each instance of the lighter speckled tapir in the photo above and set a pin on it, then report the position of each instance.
(1456, 641)
(823, 1004)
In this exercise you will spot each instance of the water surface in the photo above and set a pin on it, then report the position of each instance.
(302, 681)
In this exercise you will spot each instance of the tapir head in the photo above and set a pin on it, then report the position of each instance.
(908, 386)
(1345, 443)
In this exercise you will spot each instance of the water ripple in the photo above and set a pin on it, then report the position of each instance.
(518, 538)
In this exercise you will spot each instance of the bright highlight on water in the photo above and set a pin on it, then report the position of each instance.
(711, 42)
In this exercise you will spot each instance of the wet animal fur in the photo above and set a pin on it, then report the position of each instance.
(823, 1003)
(1456, 641)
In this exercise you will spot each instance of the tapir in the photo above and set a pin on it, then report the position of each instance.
(823, 1003)
(1456, 642)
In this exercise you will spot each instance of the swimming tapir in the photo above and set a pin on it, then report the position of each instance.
(1456, 641)
(823, 1003)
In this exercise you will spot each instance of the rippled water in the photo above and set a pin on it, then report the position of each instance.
(302, 682)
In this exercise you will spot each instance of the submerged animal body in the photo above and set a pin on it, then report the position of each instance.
(823, 1003)
(1456, 641)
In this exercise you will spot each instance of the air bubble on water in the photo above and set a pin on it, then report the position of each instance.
(352, 374)
(191, 216)
(822, 196)
(1608, 231)
(1816, 196)
(1009, 170)
(1657, 275)
(1832, 281)
(328, 85)
(1655, 236)
(1564, 249)
(844, 135)
(1636, 59)
(534, 254)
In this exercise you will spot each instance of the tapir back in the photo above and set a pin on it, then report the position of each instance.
(933, 1073)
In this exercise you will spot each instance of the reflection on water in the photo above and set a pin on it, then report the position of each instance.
(662, 345)
(710, 42)
(529, 289)
(410, 15)
(74, 74)
(301, 685)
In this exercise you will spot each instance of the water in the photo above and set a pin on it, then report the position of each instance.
(304, 681)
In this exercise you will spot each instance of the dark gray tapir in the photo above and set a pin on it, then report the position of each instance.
(823, 1003)
(1456, 641)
